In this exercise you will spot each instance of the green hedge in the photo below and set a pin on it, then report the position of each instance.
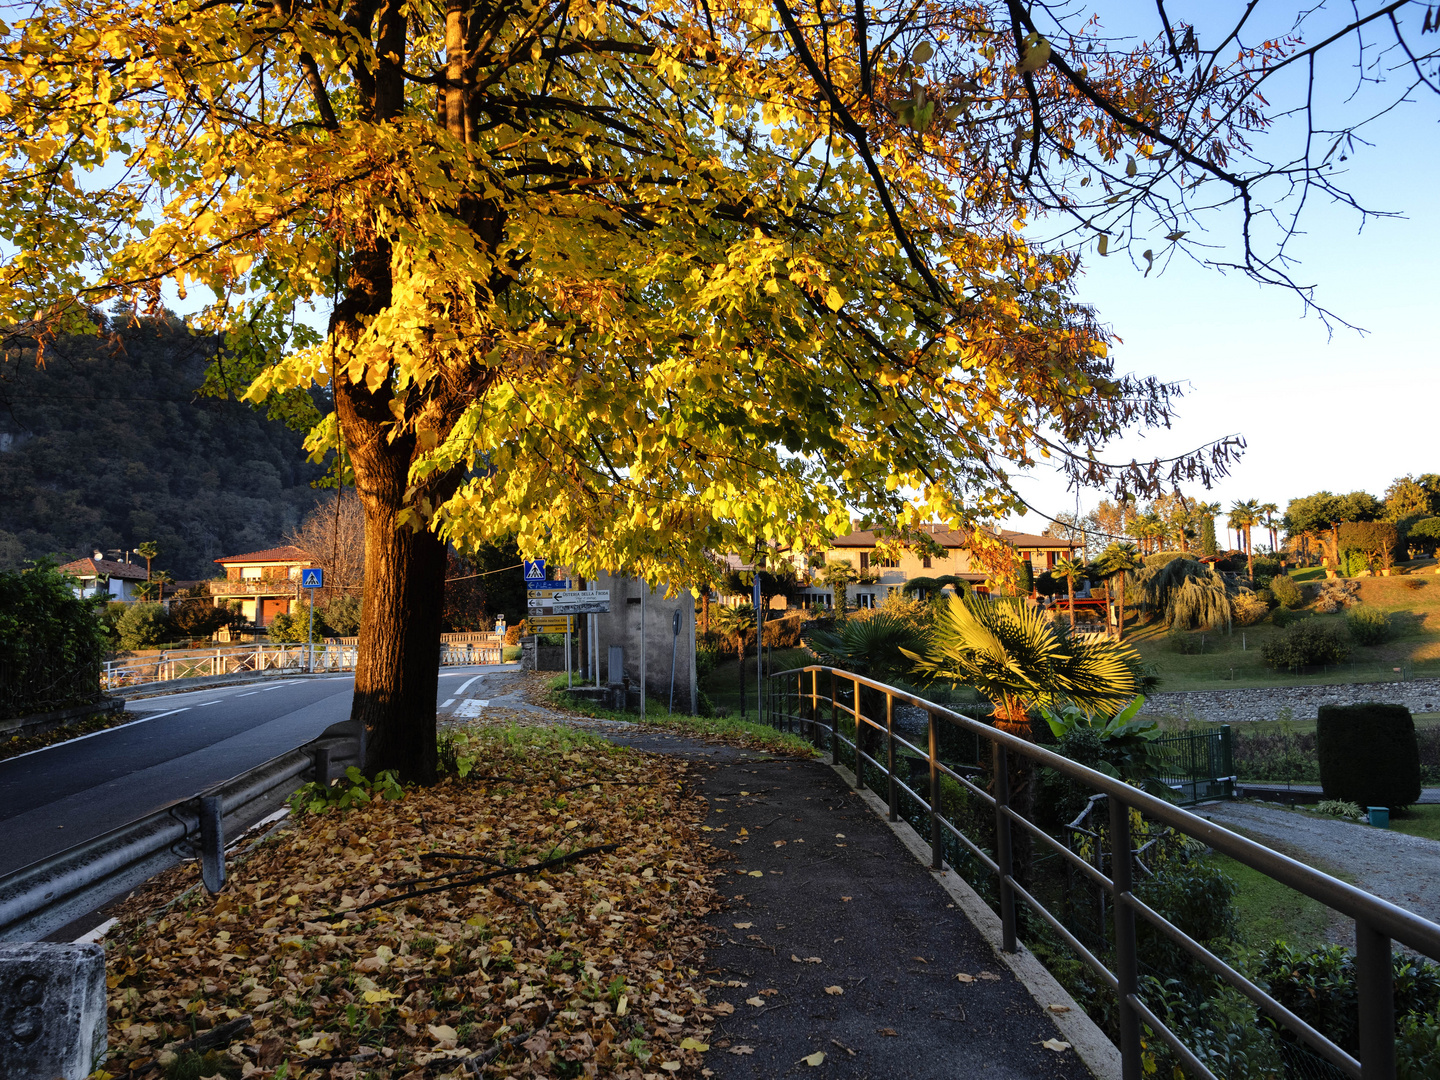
(51, 643)
(1368, 754)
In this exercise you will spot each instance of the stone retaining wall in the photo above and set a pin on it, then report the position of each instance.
(1239, 706)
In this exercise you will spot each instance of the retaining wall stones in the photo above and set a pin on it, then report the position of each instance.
(1266, 703)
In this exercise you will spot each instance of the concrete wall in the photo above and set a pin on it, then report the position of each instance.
(622, 626)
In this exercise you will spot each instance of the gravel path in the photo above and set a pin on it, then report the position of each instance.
(1402, 869)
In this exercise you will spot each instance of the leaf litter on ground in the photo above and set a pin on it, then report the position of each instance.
(359, 943)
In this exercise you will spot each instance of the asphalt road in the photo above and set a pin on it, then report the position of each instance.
(176, 745)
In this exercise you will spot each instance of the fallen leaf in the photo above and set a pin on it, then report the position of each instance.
(989, 976)
(1056, 1045)
(833, 990)
(962, 977)
(921, 959)
(743, 925)
(1058, 1008)
(839, 836)
(757, 873)
(722, 1008)
(888, 1032)
(374, 997)
(442, 1033)
(817, 1058)
(670, 1066)
(779, 843)
(741, 1050)
(845, 899)
(795, 958)
(688, 1043)
(813, 960)
(756, 1001)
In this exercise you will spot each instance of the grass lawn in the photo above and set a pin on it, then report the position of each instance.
(1267, 911)
(1421, 820)
(1229, 661)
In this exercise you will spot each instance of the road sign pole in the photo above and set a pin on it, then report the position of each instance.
(310, 632)
(569, 678)
(644, 658)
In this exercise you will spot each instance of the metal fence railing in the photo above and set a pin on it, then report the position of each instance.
(854, 717)
(1196, 765)
(39, 684)
(280, 659)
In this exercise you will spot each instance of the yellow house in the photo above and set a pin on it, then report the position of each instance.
(265, 583)
(952, 556)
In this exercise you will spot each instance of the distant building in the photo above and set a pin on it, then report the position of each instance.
(99, 576)
(893, 571)
(266, 583)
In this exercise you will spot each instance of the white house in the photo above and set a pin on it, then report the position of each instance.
(99, 576)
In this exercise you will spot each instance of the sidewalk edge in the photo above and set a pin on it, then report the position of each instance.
(1091, 1044)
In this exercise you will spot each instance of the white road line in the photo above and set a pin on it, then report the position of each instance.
(252, 693)
(465, 685)
(82, 738)
(447, 703)
(204, 703)
(471, 707)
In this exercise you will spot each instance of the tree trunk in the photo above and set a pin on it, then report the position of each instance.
(1249, 555)
(1069, 581)
(1120, 626)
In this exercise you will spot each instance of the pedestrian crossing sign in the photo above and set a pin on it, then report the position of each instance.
(534, 570)
(312, 577)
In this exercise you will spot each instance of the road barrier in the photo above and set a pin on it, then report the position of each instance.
(39, 899)
(796, 700)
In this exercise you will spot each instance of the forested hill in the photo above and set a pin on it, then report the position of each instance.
(108, 445)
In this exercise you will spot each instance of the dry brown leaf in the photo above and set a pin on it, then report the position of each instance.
(756, 1001)
(888, 1032)
(962, 977)
(743, 925)
(1056, 1045)
(1058, 1008)
(817, 1058)
(741, 1050)
(989, 976)
(834, 990)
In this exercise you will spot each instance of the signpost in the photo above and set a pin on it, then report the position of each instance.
(550, 603)
(311, 578)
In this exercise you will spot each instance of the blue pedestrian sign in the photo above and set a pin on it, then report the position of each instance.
(537, 577)
(312, 577)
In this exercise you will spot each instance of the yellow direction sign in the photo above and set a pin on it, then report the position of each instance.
(549, 624)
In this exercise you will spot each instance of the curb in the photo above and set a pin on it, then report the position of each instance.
(1092, 1045)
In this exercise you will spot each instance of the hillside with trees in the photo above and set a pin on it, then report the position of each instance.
(105, 442)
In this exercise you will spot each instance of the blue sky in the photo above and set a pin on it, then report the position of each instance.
(1341, 411)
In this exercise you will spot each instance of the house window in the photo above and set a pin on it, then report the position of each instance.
(864, 561)
(926, 562)
(251, 573)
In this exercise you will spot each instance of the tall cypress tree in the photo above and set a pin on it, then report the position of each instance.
(1208, 546)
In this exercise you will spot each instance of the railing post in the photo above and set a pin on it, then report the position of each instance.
(859, 740)
(937, 844)
(890, 791)
(1374, 977)
(814, 702)
(1127, 968)
(1004, 853)
(834, 719)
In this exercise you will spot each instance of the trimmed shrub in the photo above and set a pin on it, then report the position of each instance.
(1368, 754)
(1282, 617)
(1249, 608)
(1184, 642)
(1367, 625)
(1305, 644)
(1378, 541)
(1287, 593)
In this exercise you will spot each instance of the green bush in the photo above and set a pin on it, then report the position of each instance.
(511, 652)
(1353, 562)
(1306, 644)
(144, 626)
(1282, 617)
(1184, 642)
(342, 615)
(51, 643)
(1367, 625)
(1287, 593)
(1368, 754)
(1377, 541)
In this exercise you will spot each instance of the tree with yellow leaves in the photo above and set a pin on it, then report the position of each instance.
(632, 281)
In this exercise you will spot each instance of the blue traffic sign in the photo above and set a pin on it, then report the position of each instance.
(535, 570)
(312, 577)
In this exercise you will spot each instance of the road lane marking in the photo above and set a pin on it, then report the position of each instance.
(204, 703)
(471, 707)
(251, 694)
(466, 685)
(447, 703)
(106, 731)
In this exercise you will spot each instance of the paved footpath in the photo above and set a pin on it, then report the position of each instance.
(836, 939)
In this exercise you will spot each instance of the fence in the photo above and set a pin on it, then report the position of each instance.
(795, 701)
(280, 659)
(1196, 765)
(39, 684)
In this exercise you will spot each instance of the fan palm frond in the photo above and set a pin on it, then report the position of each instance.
(1011, 654)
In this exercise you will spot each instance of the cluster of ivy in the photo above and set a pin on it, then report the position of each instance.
(355, 787)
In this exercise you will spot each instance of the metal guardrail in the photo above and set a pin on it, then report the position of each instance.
(39, 899)
(795, 700)
(281, 659)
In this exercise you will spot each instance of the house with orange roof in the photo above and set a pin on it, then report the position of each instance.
(264, 583)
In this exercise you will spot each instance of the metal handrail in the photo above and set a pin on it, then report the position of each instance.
(1377, 921)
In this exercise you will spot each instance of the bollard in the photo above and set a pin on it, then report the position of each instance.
(322, 766)
(52, 1010)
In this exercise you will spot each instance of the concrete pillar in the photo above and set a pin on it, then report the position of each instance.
(52, 1010)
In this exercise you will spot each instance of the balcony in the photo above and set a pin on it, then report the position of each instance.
(264, 587)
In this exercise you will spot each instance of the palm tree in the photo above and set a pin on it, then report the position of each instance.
(1114, 562)
(1069, 569)
(147, 551)
(1018, 660)
(1243, 517)
(1269, 510)
(1147, 528)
